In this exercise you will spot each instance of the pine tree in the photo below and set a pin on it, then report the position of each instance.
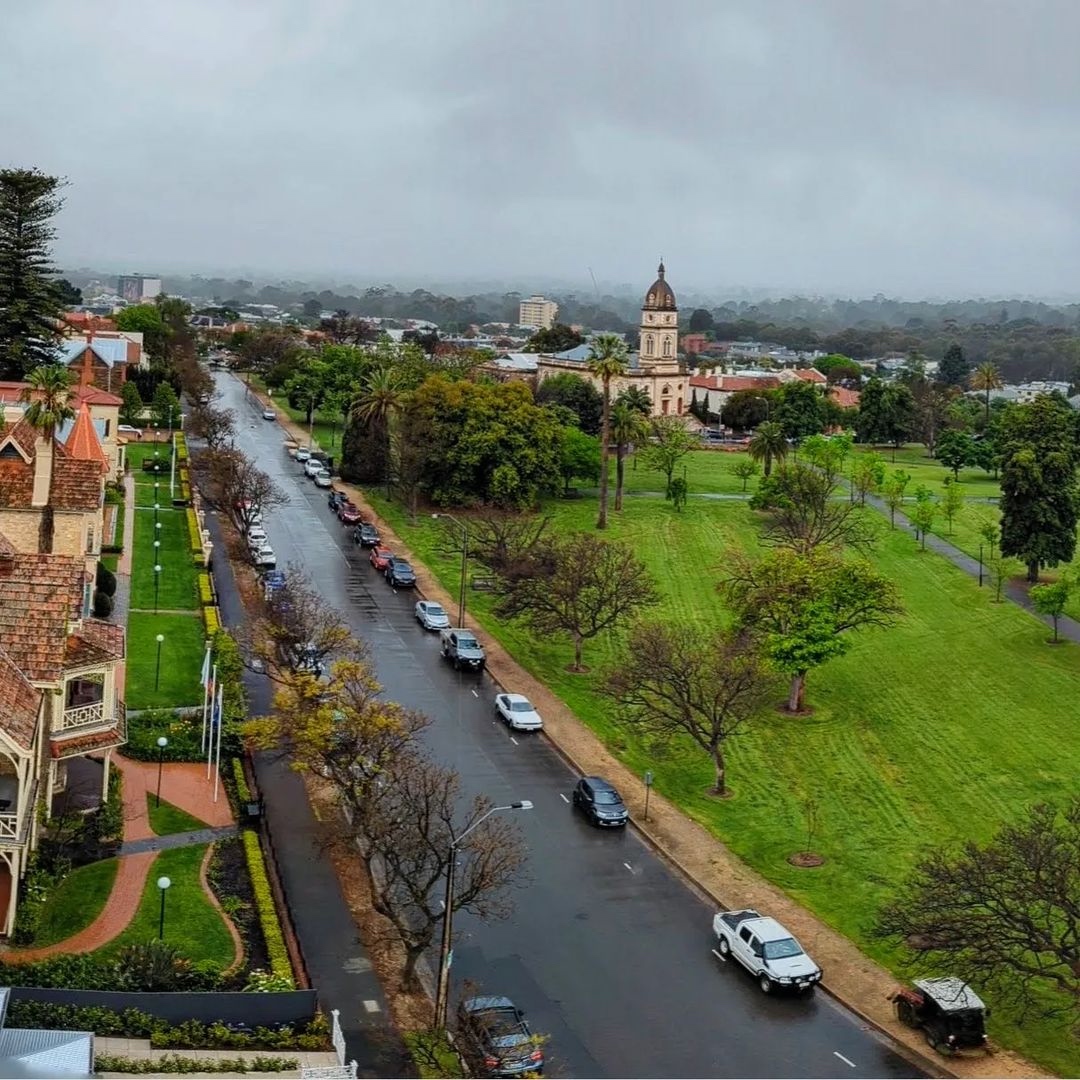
(953, 369)
(29, 299)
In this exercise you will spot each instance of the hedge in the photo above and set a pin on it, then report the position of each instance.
(264, 902)
(206, 592)
(172, 1064)
(211, 620)
(194, 532)
(243, 792)
(181, 446)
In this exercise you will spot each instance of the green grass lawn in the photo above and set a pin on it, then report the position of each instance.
(929, 733)
(167, 819)
(924, 469)
(178, 587)
(76, 902)
(181, 660)
(192, 924)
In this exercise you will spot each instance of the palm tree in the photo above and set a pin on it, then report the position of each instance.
(628, 428)
(637, 397)
(47, 393)
(768, 444)
(607, 360)
(382, 394)
(986, 377)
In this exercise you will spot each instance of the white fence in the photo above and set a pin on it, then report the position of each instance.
(341, 1071)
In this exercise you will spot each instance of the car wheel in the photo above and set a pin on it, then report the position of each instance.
(766, 984)
(723, 947)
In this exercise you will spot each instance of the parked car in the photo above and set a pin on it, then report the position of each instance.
(461, 648)
(264, 556)
(335, 499)
(127, 429)
(313, 466)
(950, 1014)
(518, 712)
(349, 513)
(380, 558)
(498, 1041)
(431, 616)
(399, 573)
(269, 414)
(766, 950)
(302, 453)
(323, 479)
(366, 535)
(600, 802)
(256, 536)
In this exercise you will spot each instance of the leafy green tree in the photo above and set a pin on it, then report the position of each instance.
(680, 492)
(555, 339)
(953, 501)
(745, 469)
(30, 301)
(986, 455)
(933, 404)
(1039, 497)
(637, 397)
(671, 441)
(954, 368)
(922, 517)
(892, 491)
(47, 396)
(607, 360)
(165, 407)
(827, 453)
(986, 378)
(956, 450)
(131, 404)
(803, 608)
(800, 409)
(886, 413)
(144, 319)
(867, 474)
(768, 445)
(629, 427)
(67, 294)
(991, 534)
(701, 321)
(1051, 600)
(745, 409)
(579, 456)
(576, 394)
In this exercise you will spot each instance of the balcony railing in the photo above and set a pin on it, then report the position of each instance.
(86, 719)
(13, 825)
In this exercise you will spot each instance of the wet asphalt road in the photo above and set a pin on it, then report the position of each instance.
(607, 951)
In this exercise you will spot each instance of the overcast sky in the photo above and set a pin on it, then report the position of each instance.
(912, 148)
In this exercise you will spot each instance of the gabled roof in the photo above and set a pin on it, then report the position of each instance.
(845, 398)
(20, 703)
(109, 350)
(38, 1052)
(810, 375)
(730, 384)
(77, 485)
(80, 438)
(40, 596)
(91, 395)
(95, 642)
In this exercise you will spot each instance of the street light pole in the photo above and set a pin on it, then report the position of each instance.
(445, 951)
(163, 884)
(157, 581)
(161, 744)
(464, 562)
(157, 670)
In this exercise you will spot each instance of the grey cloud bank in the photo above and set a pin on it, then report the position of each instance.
(902, 147)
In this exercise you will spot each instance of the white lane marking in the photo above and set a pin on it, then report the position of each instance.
(442, 904)
(718, 956)
(846, 1061)
(513, 740)
(371, 1006)
(628, 867)
(475, 694)
(564, 798)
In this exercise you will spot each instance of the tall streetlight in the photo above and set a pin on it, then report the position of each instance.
(765, 402)
(157, 507)
(161, 744)
(464, 562)
(157, 582)
(157, 671)
(445, 952)
(163, 884)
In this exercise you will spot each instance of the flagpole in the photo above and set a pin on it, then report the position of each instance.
(220, 725)
(172, 468)
(210, 740)
(208, 681)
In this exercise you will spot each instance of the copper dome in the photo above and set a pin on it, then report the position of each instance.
(660, 297)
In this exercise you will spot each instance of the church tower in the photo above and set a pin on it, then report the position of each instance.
(658, 337)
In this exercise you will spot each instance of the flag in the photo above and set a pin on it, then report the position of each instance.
(205, 680)
(215, 712)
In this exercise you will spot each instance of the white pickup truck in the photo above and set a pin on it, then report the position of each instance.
(766, 950)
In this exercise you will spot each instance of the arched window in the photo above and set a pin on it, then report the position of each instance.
(648, 344)
(666, 392)
(667, 346)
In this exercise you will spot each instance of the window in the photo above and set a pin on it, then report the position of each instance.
(90, 540)
(648, 344)
(667, 346)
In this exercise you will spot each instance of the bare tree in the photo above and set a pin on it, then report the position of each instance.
(506, 543)
(577, 585)
(804, 512)
(676, 681)
(1005, 913)
(216, 427)
(231, 483)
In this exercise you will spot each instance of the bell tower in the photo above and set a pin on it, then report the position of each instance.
(658, 336)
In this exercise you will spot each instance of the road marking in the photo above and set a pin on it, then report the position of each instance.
(371, 1006)
(513, 740)
(442, 904)
(475, 694)
(722, 959)
(846, 1061)
(564, 798)
(628, 867)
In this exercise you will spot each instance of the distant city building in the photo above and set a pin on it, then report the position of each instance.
(138, 287)
(538, 312)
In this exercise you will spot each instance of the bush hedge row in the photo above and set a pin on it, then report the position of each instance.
(211, 621)
(243, 792)
(194, 532)
(175, 1064)
(206, 590)
(264, 902)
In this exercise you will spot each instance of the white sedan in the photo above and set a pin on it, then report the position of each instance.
(431, 616)
(302, 453)
(517, 712)
(264, 556)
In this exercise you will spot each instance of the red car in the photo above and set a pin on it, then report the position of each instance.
(380, 558)
(349, 513)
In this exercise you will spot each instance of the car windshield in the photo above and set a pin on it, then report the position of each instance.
(780, 950)
(520, 706)
(466, 642)
(607, 798)
(434, 609)
(400, 564)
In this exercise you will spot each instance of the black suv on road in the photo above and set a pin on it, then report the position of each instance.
(366, 535)
(600, 802)
(399, 572)
(497, 1040)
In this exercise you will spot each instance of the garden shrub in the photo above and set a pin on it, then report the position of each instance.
(175, 1064)
(211, 621)
(105, 580)
(103, 604)
(206, 591)
(243, 792)
(264, 902)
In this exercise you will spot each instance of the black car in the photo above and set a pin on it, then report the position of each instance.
(399, 572)
(496, 1040)
(600, 802)
(366, 535)
(335, 499)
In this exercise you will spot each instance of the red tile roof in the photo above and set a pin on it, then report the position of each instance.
(95, 642)
(845, 398)
(40, 596)
(82, 442)
(731, 384)
(811, 375)
(77, 485)
(91, 395)
(16, 483)
(20, 703)
(60, 747)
